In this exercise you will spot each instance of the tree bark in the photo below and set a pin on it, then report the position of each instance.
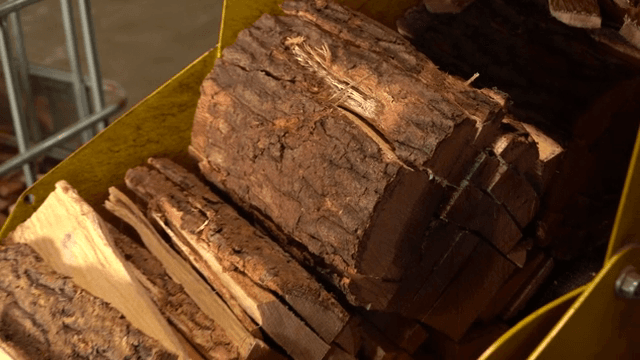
(46, 316)
(337, 131)
(180, 293)
(232, 247)
(75, 241)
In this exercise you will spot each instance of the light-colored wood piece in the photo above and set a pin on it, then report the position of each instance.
(74, 240)
(182, 273)
(577, 13)
(631, 29)
(9, 352)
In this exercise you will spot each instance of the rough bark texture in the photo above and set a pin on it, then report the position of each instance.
(46, 316)
(74, 240)
(257, 256)
(578, 86)
(257, 265)
(549, 70)
(174, 303)
(335, 129)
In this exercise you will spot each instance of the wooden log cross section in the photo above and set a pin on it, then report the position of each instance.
(347, 143)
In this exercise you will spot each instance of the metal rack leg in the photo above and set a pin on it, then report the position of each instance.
(93, 63)
(25, 83)
(15, 99)
(74, 62)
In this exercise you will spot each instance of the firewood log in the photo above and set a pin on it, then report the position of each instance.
(224, 241)
(76, 242)
(335, 131)
(46, 316)
(181, 295)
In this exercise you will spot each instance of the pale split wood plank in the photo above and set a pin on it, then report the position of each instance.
(73, 239)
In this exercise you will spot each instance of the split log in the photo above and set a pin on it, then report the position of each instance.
(262, 259)
(508, 187)
(375, 346)
(534, 72)
(328, 125)
(577, 13)
(519, 254)
(445, 250)
(350, 338)
(46, 316)
(471, 290)
(528, 290)
(473, 209)
(211, 277)
(517, 281)
(201, 316)
(336, 353)
(242, 258)
(76, 242)
(406, 333)
(549, 157)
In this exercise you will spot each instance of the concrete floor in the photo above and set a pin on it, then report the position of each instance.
(141, 43)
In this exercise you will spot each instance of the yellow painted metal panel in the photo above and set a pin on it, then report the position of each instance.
(159, 125)
(521, 340)
(599, 325)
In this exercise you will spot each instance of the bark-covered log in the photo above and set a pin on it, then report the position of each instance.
(76, 242)
(335, 129)
(46, 316)
(550, 71)
(175, 304)
(253, 265)
(262, 259)
(222, 333)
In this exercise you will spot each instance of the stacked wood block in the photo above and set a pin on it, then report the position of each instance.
(361, 204)
(578, 86)
(403, 186)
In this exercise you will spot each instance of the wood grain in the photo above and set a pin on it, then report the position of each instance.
(75, 241)
(181, 272)
(46, 316)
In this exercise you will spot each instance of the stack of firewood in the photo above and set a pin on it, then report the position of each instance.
(364, 203)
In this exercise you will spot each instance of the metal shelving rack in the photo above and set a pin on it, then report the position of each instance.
(19, 75)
